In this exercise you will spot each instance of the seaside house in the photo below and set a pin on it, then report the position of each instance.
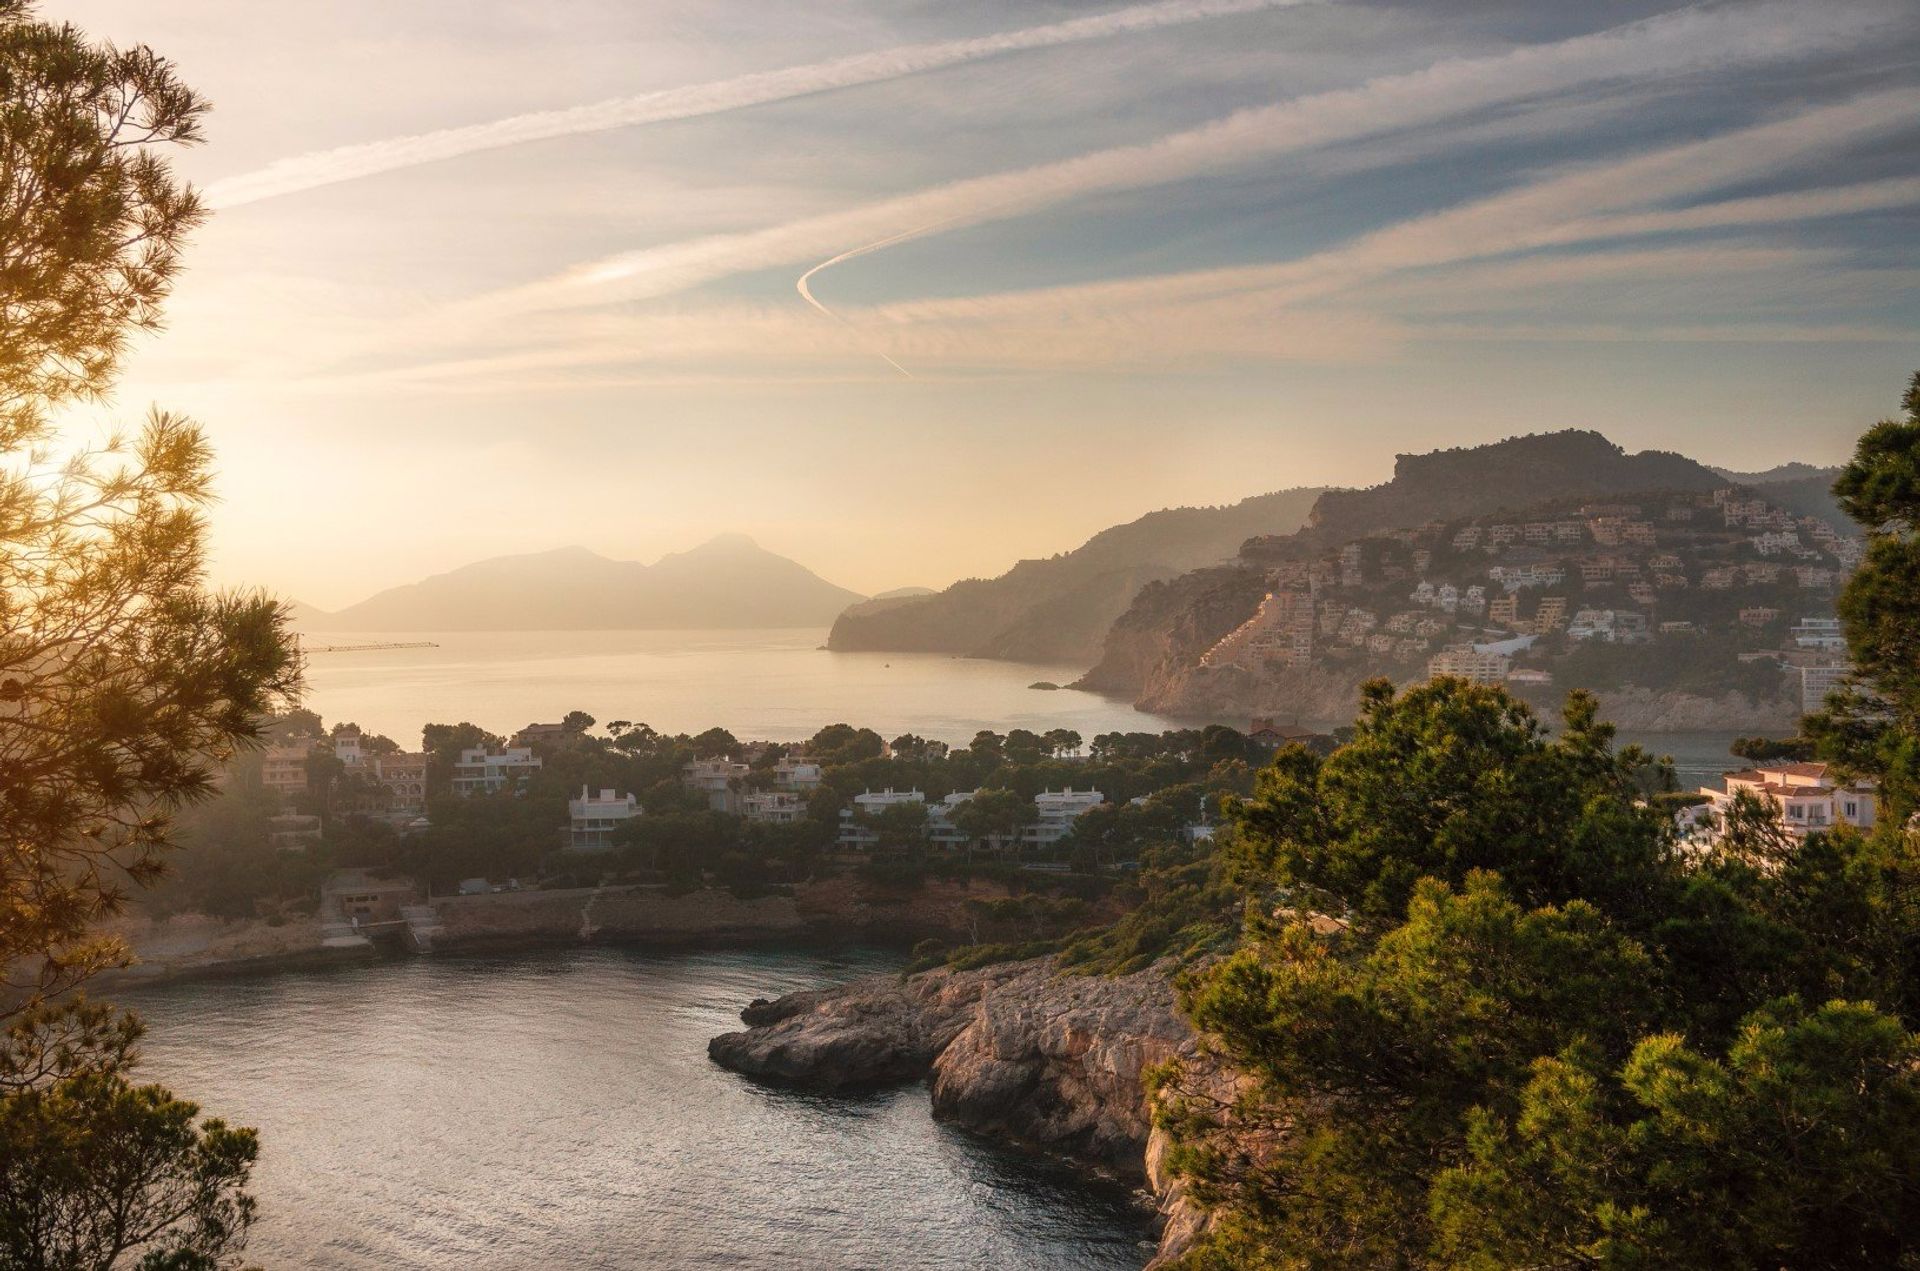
(793, 773)
(592, 819)
(480, 770)
(1805, 797)
(404, 776)
(1468, 663)
(859, 836)
(1056, 811)
(774, 807)
(283, 766)
(719, 780)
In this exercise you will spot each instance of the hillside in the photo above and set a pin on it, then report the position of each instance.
(1060, 608)
(1154, 648)
(729, 581)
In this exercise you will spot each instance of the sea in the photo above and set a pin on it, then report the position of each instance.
(557, 1109)
(774, 685)
(778, 685)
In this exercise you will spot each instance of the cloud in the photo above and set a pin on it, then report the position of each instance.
(350, 163)
(1690, 41)
(1328, 306)
(1585, 204)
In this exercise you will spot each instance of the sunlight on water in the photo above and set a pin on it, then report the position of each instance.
(778, 685)
(557, 1109)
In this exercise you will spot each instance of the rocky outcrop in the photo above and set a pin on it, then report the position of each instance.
(1643, 710)
(1060, 608)
(1016, 1050)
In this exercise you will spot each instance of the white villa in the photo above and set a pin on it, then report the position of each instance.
(483, 771)
(856, 835)
(594, 817)
(1802, 794)
(1058, 810)
(716, 778)
(773, 807)
(796, 774)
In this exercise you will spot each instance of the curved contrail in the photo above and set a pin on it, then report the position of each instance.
(806, 292)
(349, 163)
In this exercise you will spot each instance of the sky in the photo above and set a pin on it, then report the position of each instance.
(910, 290)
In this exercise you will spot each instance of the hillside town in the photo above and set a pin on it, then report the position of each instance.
(1507, 600)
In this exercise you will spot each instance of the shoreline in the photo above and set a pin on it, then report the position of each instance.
(838, 911)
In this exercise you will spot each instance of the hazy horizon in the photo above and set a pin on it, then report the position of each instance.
(908, 293)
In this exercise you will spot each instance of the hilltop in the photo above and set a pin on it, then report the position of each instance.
(1464, 547)
(729, 581)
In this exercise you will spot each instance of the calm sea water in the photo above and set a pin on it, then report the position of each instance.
(776, 685)
(557, 1109)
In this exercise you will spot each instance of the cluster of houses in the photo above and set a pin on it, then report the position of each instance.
(1627, 561)
(1054, 812)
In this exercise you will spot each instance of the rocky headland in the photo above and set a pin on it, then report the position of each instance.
(1018, 1051)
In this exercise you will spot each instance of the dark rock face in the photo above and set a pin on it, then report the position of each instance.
(1014, 1050)
(1018, 1051)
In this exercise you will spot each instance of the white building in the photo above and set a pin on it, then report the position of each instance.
(796, 774)
(941, 831)
(1610, 626)
(347, 747)
(1056, 811)
(1818, 681)
(1819, 633)
(594, 817)
(1802, 795)
(1468, 663)
(718, 780)
(774, 807)
(855, 834)
(483, 771)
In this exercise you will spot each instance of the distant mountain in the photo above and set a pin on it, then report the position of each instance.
(1161, 635)
(729, 581)
(1059, 608)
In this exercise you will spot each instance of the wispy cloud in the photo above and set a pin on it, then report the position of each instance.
(348, 163)
(1690, 41)
(1327, 306)
(1588, 203)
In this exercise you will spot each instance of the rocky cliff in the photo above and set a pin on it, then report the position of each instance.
(1059, 608)
(1018, 1050)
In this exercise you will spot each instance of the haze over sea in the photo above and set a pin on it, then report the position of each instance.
(766, 685)
(776, 685)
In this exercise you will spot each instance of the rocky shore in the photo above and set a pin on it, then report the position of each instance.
(1019, 1051)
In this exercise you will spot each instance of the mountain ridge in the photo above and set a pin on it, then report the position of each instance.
(726, 581)
(1059, 608)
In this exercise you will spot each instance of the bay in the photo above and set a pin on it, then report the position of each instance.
(778, 685)
(557, 1109)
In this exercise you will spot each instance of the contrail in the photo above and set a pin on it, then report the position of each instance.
(1688, 41)
(349, 163)
(806, 292)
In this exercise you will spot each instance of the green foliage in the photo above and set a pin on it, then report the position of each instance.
(95, 1169)
(1875, 727)
(123, 682)
(1447, 778)
(1487, 1017)
(1181, 907)
(1800, 1148)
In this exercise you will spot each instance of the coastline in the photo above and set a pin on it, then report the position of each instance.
(833, 911)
